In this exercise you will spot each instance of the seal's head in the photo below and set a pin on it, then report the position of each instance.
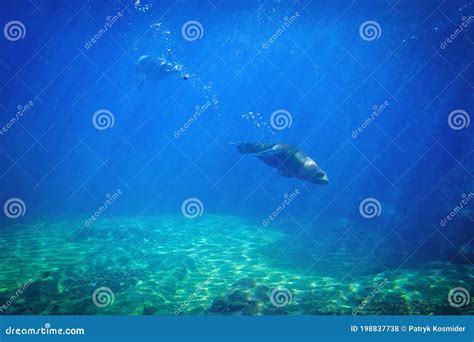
(320, 178)
(314, 174)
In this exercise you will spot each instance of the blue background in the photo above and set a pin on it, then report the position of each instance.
(319, 69)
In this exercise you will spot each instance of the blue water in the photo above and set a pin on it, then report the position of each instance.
(249, 60)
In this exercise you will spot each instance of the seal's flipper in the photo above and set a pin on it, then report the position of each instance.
(268, 152)
(270, 160)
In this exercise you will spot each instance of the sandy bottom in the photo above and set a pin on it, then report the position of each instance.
(215, 265)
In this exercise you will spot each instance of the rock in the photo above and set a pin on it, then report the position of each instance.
(218, 305)
(236, 302)
(262, 293)
(149, 310)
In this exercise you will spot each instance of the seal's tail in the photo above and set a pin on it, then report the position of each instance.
(256, 148)
(242, 147)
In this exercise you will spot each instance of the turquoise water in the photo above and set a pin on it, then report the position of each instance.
(170, 265)
(123, 191)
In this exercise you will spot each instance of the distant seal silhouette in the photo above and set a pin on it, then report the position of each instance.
(155, 69)
(290, 161)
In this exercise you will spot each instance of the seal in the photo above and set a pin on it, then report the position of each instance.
(155, 69)
(289, 160)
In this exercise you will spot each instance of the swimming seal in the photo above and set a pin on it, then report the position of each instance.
(154, 69)
(289, 160)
